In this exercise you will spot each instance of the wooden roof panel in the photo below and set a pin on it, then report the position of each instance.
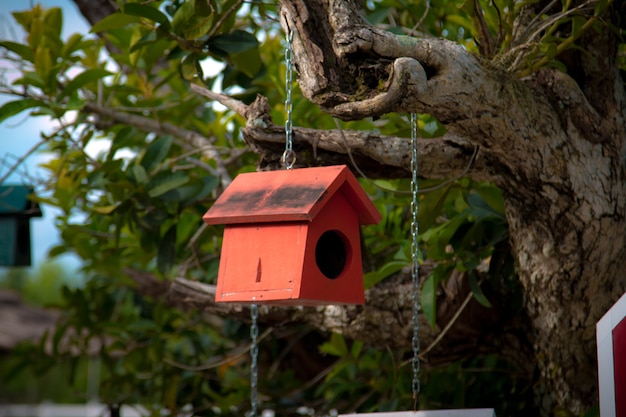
(289, 195)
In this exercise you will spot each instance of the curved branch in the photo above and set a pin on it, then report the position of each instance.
(566, 94)
(378, 156)
(235, 105)
(408, 78)
(187, 138)
(474, 99)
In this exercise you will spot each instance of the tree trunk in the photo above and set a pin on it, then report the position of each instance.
(555, 149)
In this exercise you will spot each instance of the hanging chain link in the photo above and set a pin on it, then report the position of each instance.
(254, 367)
(288, 160)
(415, 342)
(289, 156)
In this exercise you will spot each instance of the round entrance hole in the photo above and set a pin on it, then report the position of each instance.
(331, 254)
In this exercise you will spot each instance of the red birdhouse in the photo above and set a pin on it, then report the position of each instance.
(292, 237)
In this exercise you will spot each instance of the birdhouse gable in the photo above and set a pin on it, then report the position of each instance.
(15, 202)
(289, 195)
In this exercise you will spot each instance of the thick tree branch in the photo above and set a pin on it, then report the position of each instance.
(474, 99)
(378, 156)
(565, 93)
(407, 77)
(96, 10)
(384, 321)
(560, 166)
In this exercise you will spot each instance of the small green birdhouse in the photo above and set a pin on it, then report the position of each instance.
(16, 209)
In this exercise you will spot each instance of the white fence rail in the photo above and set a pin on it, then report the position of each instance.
(67, 410)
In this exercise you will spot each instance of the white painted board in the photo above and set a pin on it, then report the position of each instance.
(606, 375)
(466, 412)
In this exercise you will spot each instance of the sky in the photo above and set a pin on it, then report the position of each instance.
(19, 134)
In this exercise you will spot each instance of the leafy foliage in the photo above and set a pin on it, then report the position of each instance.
(138, 159)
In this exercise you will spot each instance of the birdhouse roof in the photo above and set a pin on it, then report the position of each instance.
(289, 195)
(15, 201)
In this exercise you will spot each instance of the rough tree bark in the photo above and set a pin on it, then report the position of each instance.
(554, 143)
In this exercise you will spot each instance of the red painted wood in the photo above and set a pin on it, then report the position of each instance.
(275, 262)
(274, 227)
(259, 262)
(619, 367)
(348, 286)
(289, 195)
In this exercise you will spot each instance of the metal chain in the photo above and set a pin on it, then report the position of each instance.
(415, 342)
(289, 156)
(254, 368)
(288, 159)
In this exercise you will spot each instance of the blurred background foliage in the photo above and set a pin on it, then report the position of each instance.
(131, 190)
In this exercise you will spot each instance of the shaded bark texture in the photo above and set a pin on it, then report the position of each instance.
(553, 142)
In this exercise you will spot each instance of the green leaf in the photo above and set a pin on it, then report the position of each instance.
(549, 49)
(249, 62)
(43, 63)
(600, 7)
(206, 7)
(378, 16)
(140, 174)
(12, 108)
(192, 192)
(22, 50)
(577, 25)
(234, 42)
(480, 209)
(197, 27)
(57, 250)
(357, 346)
(428, 294)
(183, 14)
(428, 300)
(478, 293)
(24, 18)
(430, 206)
(186, 192)
(149, 38)
(19, 365)
(460, 20)
(71, 45)
(439, 237)
(167, 251)
(83, 79)
(31, 79)
(492, 196)
(190, 67)
(148, 12)
(372, 278)
(156, 152)
(59, 333)
(336, 346)
(106, 209)
(53, 22)
(161, 184)
(114, 21)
